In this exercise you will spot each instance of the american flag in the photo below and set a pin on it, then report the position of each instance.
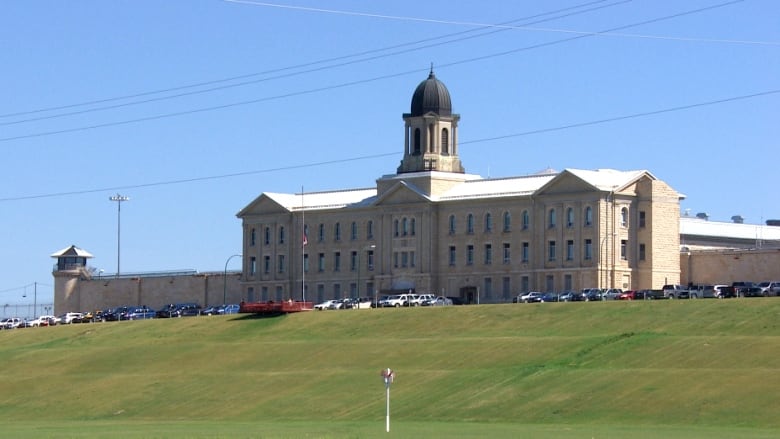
(305, 238)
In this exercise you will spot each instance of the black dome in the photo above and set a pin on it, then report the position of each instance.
(431, 95)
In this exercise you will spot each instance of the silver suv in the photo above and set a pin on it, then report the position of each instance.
(770, 288)
(675, 292)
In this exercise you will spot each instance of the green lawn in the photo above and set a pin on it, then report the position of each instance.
(684, 369)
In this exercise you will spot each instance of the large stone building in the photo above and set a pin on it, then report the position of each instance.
(432, 227)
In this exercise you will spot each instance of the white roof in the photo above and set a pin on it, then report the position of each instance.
(472, 187)
(699, 227)
(324, 200)
(72, 251)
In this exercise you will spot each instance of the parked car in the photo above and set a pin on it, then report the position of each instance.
(324, 305)
(211, 310)
(549, 297)
(115, 314)
(139, 313)
(438, 301)
(611, 294)
(12, 322)
(570, 296)
(728, 292)
(231, 308)
(69, 317)
(398, 300)
(456, 300)
(530, 297)
(770, 288)
(186, 310)
(420, 298)
(591, 294)
(741, 285)
(751, 292)
(631, 295)
(675, 291)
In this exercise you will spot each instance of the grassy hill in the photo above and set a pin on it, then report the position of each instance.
(702, 366)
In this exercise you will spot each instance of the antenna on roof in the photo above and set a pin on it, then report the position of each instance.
(431, 68)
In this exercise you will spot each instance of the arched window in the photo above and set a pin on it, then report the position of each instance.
(624, 217)
(552, 218)
(570, 217)
(337, 232)
(588, 216)
(252, 238)
(370, 230)
(526, 220)
(445, 141)
(470, 224)
(405, 226)
(416, 149)
(281, 235)
(452, 224)
(507, 221)
(412, 226)
(396, 229)
(488, 222)
(267, 236)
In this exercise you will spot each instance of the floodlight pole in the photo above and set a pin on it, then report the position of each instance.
(224, 280)
(118, 198)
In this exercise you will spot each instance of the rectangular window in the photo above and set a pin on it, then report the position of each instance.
(352, 289)
(641, 252)
(337, 261)
(320, 293)
(549, 283)
(588, 251)
(623, 249)
(506, 287)
(395, 259)
(470, 255)
(321, 262)
(306, 262)
(452, 255)
(252, 238)
(279, 294)
(488, 254)
(570, 250)
(264, 294)
(353, 262)
(507, 255)
(488, 288)
(412, 259)
(551, 251)
(642, 219)
(266, 264)
(281, 263)
(353, 231)
(321, 233)
(337, 291)
(525, 285)
(370, 230)
(567, 282)
(404, 259)
(526, 253)
(253, 265)
(370, 260)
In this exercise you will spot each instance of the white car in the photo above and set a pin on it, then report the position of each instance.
(12, 322)
(421, 299)
(325, 305)
(69, 317)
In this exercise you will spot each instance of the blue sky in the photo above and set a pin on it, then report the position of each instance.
(193, 108)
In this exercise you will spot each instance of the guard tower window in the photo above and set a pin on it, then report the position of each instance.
(445, 141)
(416, 150)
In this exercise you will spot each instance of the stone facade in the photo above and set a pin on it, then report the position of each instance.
(434, 228)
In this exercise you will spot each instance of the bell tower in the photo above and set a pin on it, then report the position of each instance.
(431, 131)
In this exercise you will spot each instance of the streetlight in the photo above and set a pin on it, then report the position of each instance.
(118, 198)
(370, 247)
(224, 278)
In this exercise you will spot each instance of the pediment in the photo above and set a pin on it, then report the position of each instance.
(262, 205)
(402, 193)
(566, 183)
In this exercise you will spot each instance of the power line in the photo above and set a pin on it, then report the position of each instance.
(293, 67)
(506, 26)
(356, 82)
(373, 156)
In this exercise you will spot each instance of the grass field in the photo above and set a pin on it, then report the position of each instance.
(671, 369)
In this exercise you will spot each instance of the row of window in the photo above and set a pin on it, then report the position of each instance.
(353, 233)
(525, 252)
(407, 226)
(354, 262)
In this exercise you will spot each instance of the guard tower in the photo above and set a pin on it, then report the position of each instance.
(70, 268)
